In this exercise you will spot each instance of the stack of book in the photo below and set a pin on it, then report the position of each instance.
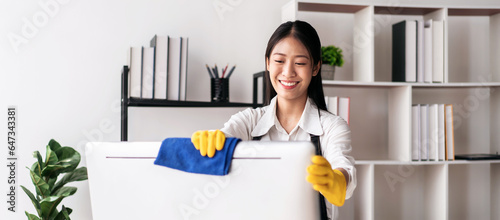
(159, 71)
(339, 106)
(432, 132)
(418, 51)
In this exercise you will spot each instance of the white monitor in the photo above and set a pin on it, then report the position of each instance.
(267, 180)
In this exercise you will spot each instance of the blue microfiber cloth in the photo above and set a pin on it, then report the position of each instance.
(180, 154)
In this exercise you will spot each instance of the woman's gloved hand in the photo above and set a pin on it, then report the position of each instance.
(331, 183)
(208, 141)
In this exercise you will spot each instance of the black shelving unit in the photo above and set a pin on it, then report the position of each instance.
(127, 101)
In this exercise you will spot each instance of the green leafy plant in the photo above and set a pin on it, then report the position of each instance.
(49, 191)
(332, 56)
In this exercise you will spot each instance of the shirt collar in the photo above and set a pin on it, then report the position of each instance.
(266, 122)
(309, 121)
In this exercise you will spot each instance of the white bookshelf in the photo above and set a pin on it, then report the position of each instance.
(390, 185)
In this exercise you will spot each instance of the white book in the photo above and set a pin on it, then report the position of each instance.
(437, 51)
(184, 65)
(433, 132)
(415, 132)
(428, 51)
(147, 72)
(160, 43)
(333, 105)
(445, 55)
(441, 135)
(420, 51)
(135, 72)
(424, 134)
(174, 68)
(449, 140)
(411, 51)
(344, 108)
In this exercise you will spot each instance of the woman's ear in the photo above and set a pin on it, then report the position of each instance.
(267, 63)
(316, 68)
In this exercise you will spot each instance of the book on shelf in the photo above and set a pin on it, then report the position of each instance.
(449, 134)
(424, 131)
(183, 69)
(147, 74)
(404, 51)
(437, 51)
(339, 106)
(135, 63)
(432, 132)
(428, 51)
(420, 51)
(160, 43)
(344, 108)
(415, 137)
(174, 68)
(160, 70)
(441, 132)
(333, 104)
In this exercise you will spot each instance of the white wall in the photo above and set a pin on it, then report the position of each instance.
(64, 77)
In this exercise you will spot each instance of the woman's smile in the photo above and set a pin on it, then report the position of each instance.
(288, 84)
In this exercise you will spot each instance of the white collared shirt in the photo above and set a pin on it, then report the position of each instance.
(333, 132)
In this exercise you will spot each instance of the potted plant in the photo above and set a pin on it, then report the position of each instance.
(49, 190)
(331, 56)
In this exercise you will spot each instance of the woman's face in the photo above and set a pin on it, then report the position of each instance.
(290, 69)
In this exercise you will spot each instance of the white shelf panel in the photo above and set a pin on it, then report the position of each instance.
(396, 162)
(414, 85)
(455, 85)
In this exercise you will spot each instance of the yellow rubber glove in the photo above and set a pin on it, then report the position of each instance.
(330, 183)
(208, 141)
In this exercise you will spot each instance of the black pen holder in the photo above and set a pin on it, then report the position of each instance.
(219, 89)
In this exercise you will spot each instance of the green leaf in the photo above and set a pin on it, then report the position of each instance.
(68, 155)
(36, 168)
(332, 55)
(42, 188)
(53, 171)
(33, 200)
(50, 157)
(79, 174)
(31, 216)
(49, 206)
(66, 191)
(54, 145)
(68, 160)
(64, 213)
(51, 183)
(39, 158)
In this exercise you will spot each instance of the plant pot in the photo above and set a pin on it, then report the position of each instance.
(327, 72)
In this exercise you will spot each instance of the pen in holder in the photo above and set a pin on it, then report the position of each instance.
(219, 89)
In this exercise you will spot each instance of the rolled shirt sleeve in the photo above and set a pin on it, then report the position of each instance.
(336, 146)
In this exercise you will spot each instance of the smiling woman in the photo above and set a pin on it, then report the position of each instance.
(291, 70)
(296, 111)
(303, 38)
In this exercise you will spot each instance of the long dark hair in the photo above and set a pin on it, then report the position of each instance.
(308, 36)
